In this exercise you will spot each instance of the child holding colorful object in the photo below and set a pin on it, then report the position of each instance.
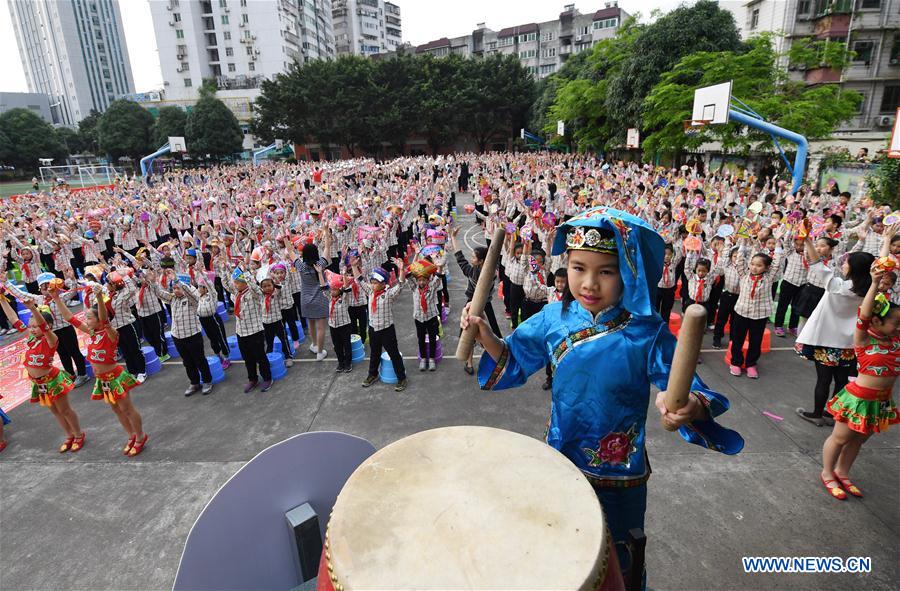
(50, 385)
(113, 383)
(865, 406)
(426, 287)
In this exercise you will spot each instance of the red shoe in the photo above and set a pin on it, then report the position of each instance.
(2, 445)
(138, 446)
(129, 445)
(836, 491)
(67, 445)
(77, 443)
(851, 488)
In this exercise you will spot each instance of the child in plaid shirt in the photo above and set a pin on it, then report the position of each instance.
(426, 287)
(753, 308)
(339, 320)
(273, 324)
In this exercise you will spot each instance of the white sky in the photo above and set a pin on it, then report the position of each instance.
(423, 21)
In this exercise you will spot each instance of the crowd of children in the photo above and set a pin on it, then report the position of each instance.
(329, 249)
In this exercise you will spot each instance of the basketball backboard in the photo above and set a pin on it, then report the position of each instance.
(894, 146)
(711, 103)
(633, 139)
(176, 144)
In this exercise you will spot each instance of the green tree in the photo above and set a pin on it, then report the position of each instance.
(395, 112)
(87, 133)
(702, 27)
(125, 129)
(212, 129)
(31, 138)
(6, 148)
(69, 138)
(884, 182)
(282, 111)
(170, 122)
(440, 94)
(812, 111)
(498, 93)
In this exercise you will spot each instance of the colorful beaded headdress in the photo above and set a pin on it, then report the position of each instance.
(592, 239)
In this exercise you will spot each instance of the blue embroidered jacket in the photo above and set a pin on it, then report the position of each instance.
(601, 387)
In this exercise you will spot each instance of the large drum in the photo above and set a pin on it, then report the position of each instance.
(467, 508)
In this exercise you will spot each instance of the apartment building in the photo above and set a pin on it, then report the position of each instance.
(541, 47)
(237, 43)
(366, 27)
(869, 28)
(74, 52)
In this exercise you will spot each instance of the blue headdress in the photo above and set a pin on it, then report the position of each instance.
(639, 248)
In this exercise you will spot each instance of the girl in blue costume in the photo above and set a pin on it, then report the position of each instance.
(606, 344)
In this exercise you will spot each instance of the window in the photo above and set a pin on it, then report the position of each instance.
(527, 55)
(179, 34)
(754, 19)
(251, 66)
(246, 34)
(223, 3)
(491, 45)
(869, 4)
(243, 3)
(890, 101)
(803, 6)
(863, 50)
(584, 30)
(549, 52)
(606, 23)
(527, 37)
(226, 35)
(229, 51)
(245, 18)
(231, 68)
(547, 36)
(185, 66)
(548, 69)
(108, 86)
(862, 104)
(505, 41)
(532, 69)
(895, 51)
(249, 50)
(187, 83)
(176, 16)
(224, 19)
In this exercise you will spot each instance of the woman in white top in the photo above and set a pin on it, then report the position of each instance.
(827, 337)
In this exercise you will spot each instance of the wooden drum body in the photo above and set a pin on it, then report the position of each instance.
(467, 508)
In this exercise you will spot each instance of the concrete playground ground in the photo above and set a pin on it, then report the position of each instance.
(98, 521)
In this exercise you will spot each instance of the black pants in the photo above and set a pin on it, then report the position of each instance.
(385, 339)
(69, 354)
(726, 310)
(289, 318)
(665, 299)
(276, 329)
(445, 292)
(130, 348)
(516, 297)
(712, 304)
(215, 332)
(429, 327)
(786, 298)
(824, 375)
(194, 359)
(340, 338)
(359, 320)
(740, 328)
(253, 351)
(153, 332)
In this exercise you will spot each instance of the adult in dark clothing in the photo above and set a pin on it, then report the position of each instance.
(472, 270)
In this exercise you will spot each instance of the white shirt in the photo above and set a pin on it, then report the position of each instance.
(833, 322)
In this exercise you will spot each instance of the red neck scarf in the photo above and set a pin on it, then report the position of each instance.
(423, 301)
(269, 301)
(700, 283)
(141, 295)
(334, 300)
(755, 279)
(237, 304)
(375, 296)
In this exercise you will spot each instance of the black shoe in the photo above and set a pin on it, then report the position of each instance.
(816, 420)
(717, 343)
(369, 381)
(548, 384)
(401, 385)
(470, 370)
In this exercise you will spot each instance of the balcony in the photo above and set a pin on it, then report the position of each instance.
(832, 26)
(822, 75)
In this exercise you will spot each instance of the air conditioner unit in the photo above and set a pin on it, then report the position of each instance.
(169, 7)
(171, 23)
(179, 70)
(243, 40)
(253, 37)
(894, 61)
(884, 121)
(256, 52)
(226, 9)
(242, 25)
(180, 56)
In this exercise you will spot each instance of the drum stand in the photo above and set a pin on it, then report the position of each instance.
(637, 546)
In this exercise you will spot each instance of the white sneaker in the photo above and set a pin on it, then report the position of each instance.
(321, 355)
(432, 365)
(141, 378)
(423, 365)
(313, 349)
(80, 381)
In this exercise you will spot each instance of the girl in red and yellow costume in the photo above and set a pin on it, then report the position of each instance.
(865, 406)
(50, 384)
(113, 382)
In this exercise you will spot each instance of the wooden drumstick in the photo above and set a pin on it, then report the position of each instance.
(482, 294)
(684, 362)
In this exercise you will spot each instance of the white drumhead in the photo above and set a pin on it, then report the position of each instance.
(467, 508)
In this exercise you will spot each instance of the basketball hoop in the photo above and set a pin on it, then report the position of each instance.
(695, 126)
